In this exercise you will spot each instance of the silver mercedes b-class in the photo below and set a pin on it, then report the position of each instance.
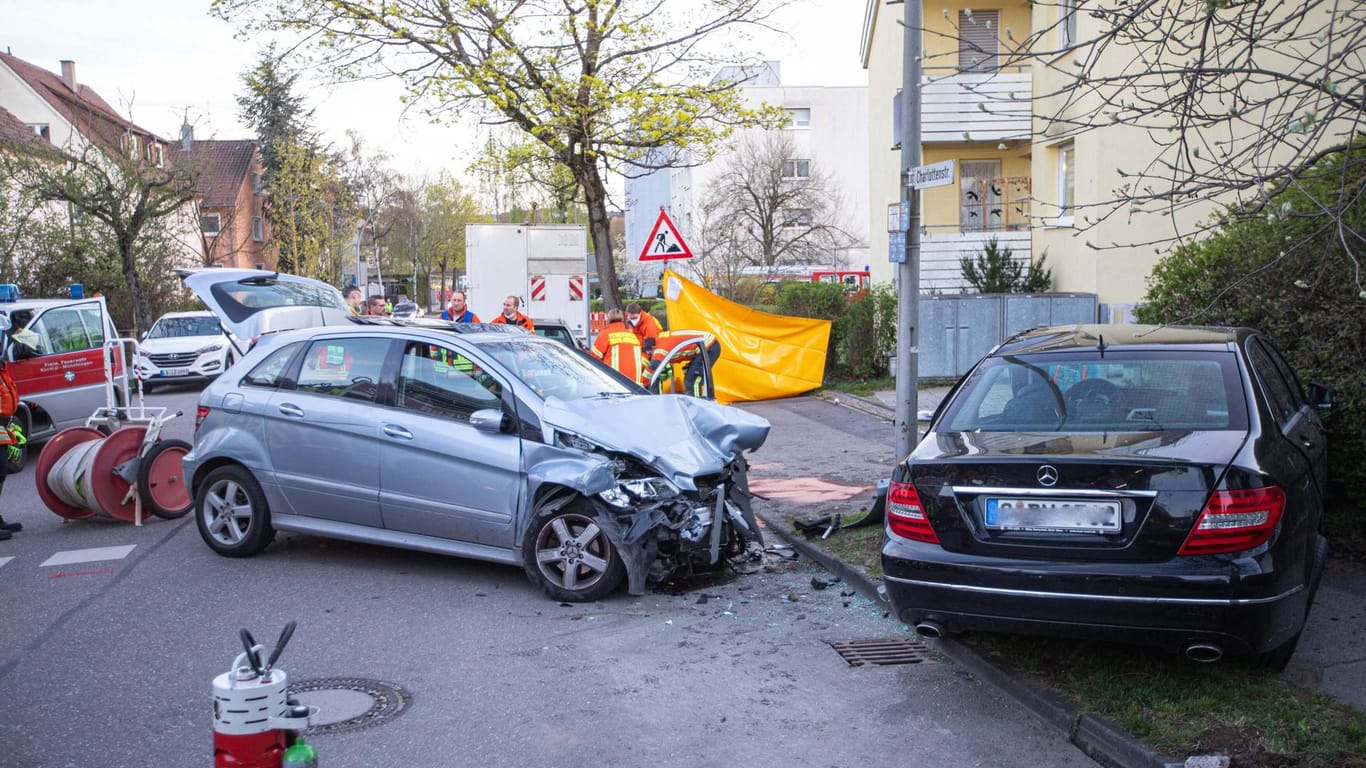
(479, 441)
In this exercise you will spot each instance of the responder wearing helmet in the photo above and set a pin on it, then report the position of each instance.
(698, 357)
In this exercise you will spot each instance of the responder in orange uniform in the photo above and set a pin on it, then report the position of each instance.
(694, 383)
(11, 436)
(511, 316)
(643, 325)
(617, 346)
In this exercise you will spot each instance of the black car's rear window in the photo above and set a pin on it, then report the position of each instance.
(1117, 391)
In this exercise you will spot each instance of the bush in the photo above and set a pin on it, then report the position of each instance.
(867, 333)
(825, 301)
(1305, 298)
(822, 301)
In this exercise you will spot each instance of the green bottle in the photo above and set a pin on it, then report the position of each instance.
(300, 755)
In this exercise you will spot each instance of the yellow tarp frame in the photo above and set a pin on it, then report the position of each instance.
(763, 356)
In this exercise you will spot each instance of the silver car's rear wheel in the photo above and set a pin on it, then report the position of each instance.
(568, 554)
(231, 513)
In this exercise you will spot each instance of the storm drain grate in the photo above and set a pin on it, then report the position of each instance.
(882, 651)
(342, 703)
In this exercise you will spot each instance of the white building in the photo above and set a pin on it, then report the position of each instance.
(829, 127)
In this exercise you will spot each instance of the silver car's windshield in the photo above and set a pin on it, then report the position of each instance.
(552, 369)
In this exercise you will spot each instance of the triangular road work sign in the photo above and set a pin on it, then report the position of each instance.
(664, 241)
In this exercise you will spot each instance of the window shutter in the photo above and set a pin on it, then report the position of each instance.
(978, 40)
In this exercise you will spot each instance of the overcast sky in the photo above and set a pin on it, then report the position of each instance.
(156, 59)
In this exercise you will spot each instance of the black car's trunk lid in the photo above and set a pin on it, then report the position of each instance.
(1129, 496)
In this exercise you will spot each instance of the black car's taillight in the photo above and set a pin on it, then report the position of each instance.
(199, 415)
(1233, 521)
(905, 515)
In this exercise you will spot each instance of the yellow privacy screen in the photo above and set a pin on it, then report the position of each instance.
(763, 356)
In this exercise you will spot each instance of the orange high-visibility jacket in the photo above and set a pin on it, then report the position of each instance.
(667, 340)
(518, 319)
(617, 346)
(647, 328)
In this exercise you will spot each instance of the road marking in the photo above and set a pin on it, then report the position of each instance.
(73, 556)
(4, 560)
(64, 574)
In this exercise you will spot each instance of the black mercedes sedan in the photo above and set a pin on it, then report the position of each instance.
(1153, 485)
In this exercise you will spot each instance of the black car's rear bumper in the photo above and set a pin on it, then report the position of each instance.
(1243, 614)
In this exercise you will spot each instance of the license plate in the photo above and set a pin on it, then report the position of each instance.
(175, 372)
(1062, 515)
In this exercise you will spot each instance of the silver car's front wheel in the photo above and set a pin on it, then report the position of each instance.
(570, 557)
(231, 513)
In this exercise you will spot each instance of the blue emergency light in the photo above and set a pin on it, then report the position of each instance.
(77, 291)
(9, 292)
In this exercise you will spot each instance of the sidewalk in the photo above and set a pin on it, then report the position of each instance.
(1331, 657)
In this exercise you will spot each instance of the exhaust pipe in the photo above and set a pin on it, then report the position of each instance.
(930, 629)
(1205, 653)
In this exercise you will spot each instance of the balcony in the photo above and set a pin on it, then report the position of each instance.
(942, 248)
(958, 106)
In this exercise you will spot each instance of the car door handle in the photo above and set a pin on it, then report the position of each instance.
(393, 430)
(290, 409)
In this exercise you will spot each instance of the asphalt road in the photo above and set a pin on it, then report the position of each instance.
(109, 662)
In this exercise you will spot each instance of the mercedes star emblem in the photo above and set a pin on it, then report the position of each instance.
(1048, 475)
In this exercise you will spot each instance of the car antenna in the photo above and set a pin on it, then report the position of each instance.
(1100, 344)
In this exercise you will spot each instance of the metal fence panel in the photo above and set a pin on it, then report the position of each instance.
(980, 321)
(938, 336)
(956, 330)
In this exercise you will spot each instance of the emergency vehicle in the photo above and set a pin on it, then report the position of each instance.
(58, 361)
(853, 280)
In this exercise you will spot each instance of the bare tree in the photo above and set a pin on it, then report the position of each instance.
(123, 182)
(377, 190)
(768, 208)
(1239, 100)
(597, 84)
(517, 176)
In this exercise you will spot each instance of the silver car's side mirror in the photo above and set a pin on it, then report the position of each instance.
(4, 322)
(487, 420)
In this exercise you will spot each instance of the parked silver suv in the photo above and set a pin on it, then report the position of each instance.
(473, 440)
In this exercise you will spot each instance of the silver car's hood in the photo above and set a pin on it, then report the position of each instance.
(680, 437)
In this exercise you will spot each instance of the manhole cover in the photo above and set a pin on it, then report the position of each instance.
(882, 652)
(349, 703)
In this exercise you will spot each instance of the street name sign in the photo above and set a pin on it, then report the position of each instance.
(934, 175)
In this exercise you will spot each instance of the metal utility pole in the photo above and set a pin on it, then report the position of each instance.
(908, 270)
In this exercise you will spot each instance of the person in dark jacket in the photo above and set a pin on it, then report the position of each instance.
(457, 311)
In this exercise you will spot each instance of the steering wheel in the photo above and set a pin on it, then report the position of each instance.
(355, 387)
(1092, 392)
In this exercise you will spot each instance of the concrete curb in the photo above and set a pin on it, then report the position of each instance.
(861, 404)
(1100, 739)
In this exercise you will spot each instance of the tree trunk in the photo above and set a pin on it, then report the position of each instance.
(600, 230)
(142, 309)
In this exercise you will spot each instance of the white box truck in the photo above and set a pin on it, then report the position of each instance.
(545, 265)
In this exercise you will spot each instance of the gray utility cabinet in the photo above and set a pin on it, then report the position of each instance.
(957, 330)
